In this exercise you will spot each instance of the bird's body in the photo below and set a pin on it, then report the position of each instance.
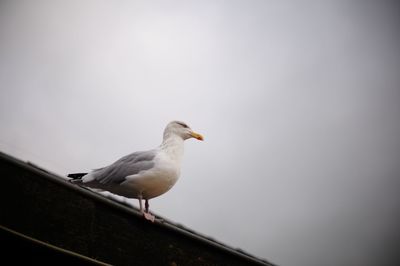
(145, 174)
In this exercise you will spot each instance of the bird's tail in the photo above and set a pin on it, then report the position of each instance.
(77, 177)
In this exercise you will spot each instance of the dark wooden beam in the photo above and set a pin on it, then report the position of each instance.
(40, 206)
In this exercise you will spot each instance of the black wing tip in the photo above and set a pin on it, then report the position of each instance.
(76, 175)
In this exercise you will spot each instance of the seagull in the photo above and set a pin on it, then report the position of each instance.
(143, 175)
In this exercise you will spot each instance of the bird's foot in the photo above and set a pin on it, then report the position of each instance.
(149, 216)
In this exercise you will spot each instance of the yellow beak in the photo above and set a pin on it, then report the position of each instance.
(196, 135)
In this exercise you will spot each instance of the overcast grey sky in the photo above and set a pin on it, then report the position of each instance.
(298, 102)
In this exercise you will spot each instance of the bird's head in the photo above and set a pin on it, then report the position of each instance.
(182, 130)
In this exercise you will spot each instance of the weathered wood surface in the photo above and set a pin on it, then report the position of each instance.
(44, 206)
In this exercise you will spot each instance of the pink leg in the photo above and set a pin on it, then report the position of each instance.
(140, 204)
(147, 215)
(146, 205)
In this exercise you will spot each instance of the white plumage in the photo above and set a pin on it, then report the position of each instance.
(145, 174)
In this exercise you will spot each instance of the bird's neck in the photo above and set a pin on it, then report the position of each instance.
(173, 146)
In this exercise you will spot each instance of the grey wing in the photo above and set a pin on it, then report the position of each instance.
(128, 165)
